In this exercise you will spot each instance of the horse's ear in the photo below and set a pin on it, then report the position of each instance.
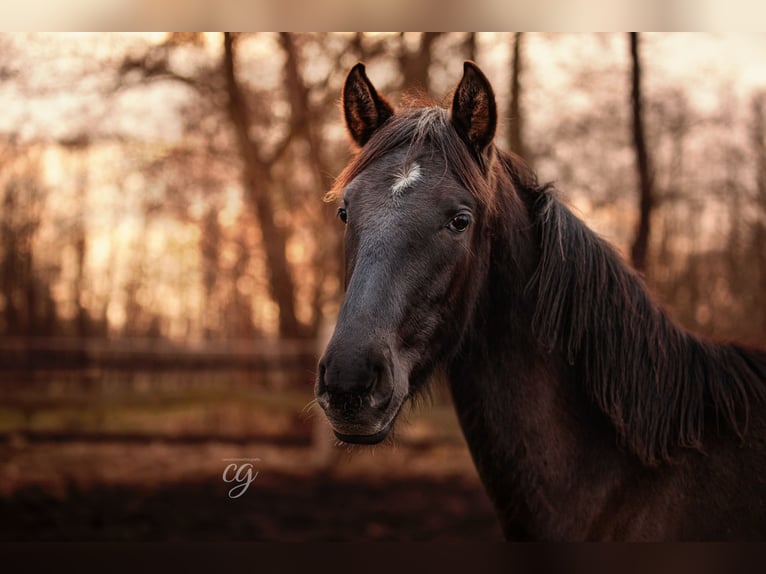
(474, 112)
(364, 109)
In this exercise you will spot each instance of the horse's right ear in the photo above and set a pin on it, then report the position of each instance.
(364, 109)
(474, 112)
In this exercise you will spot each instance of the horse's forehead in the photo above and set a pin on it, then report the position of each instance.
(404, 179)
(393, 176)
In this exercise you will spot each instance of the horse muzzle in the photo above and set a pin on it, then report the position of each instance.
(357, 392)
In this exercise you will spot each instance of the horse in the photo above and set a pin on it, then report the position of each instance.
(589, 413)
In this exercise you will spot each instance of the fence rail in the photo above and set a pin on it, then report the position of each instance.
(63, 352)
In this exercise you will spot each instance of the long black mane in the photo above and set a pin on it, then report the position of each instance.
(660, 386)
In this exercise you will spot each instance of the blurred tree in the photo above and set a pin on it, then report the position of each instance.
(247, 135)
(257, 179)
(366, 48)
(210, 247)
(79, 235)
(415, 60)
(26, 305)
(758, 241)
(307, 124)
(515, 116)
(671, 114)
(638, 252)
(469, 46)
(193, 180)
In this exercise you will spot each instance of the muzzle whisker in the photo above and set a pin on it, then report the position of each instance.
(310, 409)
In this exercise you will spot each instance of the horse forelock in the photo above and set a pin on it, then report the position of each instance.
(422, 131)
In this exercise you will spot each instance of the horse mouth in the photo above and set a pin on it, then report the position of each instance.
(364, 438)
(373, 438)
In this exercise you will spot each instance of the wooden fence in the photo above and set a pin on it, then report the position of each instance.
(33, 353)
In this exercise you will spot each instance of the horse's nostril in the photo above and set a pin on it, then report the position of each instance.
(322, 396)
(372, 382)
(382, 391)
(321, 385)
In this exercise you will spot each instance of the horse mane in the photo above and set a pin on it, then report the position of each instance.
(658, 384)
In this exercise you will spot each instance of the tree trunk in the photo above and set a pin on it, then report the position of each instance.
(640, 246)
(304, 123)
(301, 116)
(210, 249)
(415, 65)
(515, 121)
(759, 229)
(8, 264)
(469, 45)
(82, 322)
(257, 181)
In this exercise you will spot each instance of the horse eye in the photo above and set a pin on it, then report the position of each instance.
(342, 214)
(460, 222)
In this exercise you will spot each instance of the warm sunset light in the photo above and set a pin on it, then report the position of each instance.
(170, 272)
(110, 120)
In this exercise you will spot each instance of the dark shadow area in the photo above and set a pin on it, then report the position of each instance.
(276, 507)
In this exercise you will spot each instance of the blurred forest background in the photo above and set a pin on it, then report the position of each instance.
(169, 271)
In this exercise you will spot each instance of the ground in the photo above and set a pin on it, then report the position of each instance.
(118, 467)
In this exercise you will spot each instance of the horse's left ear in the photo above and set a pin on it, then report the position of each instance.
(474, 112)
(364, 109)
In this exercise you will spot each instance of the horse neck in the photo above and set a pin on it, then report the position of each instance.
(534, 436)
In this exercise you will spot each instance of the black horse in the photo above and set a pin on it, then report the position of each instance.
(589, 413)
